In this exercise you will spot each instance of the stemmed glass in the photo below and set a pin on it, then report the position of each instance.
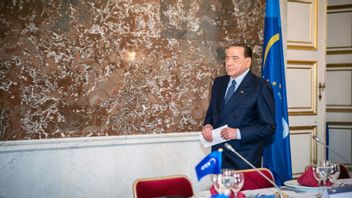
(237, 183)
(335, 172)
(229, 180)
(221, 184)
(323, 168)
(316, 174)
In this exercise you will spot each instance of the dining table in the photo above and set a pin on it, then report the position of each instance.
(292, 189)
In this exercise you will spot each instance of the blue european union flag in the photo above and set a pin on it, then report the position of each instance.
(211, 164)
(277, 156)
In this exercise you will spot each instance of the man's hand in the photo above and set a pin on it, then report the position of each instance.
(206, 132)
(228, 133)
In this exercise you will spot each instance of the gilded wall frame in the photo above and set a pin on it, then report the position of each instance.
(311, 67)
(345, 67)
(311, 42)
(304, 130)
(345, 49)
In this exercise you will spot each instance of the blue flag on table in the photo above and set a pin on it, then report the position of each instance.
(276, 156)
(211, 164)
(220, 196)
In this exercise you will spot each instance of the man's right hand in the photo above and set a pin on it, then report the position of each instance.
(206, 132)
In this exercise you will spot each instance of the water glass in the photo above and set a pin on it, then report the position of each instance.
(316, 174)
(323, 168)
(237, 183)
(335, 172)
(229, 180)
(221, 184)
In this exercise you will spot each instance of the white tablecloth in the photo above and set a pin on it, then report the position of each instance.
(291, 192)
(266, 191)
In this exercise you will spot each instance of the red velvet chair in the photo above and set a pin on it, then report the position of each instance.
(344, 173)
(175, 185)
(253, 180)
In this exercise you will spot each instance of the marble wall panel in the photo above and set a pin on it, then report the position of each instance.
(98, 68)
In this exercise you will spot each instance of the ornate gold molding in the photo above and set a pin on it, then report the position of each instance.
(339, 123)
(310, 44)
(312, 130)
(312, 65)
(338, 65)
(340, 49)
(339, 107)
(340, 8)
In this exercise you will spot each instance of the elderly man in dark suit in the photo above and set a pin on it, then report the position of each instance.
(246, 104)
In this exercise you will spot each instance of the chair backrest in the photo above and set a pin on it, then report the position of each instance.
(175, 185)
(344, 174)
(253, 180)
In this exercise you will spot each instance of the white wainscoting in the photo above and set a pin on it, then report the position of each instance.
(95, 166)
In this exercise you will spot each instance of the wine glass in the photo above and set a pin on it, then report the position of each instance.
(227, 180)
(216, 180)
(316, 174)
(324, 170)
(335, 172)
(223, 182)
(238, 180)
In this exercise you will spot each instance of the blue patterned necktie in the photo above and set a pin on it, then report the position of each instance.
(230, 91)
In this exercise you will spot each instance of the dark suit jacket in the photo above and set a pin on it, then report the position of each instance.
(252, 110)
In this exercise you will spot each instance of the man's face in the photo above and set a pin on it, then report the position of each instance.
(235, 61)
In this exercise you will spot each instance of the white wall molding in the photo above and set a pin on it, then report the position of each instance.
(96, 166)
(86, 142)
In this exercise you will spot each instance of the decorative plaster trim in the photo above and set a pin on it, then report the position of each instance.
(87, 142)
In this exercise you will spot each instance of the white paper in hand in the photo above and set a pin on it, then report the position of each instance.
(217, 139)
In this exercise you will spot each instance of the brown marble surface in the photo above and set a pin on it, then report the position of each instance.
(121, 67)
